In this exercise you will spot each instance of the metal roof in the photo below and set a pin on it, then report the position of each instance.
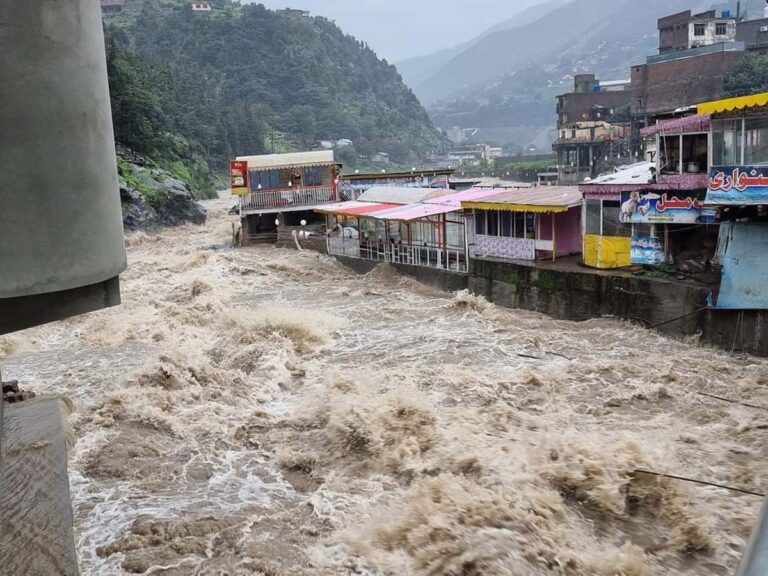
(294, 159)
(542, 199)
(673, 126)
(639, 173)
(355, 208)
(413, 212)
(400, 194)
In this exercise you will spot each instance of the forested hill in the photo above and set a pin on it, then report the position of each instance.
(194, 89)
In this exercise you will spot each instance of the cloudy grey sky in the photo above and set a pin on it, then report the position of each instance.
(398, 29)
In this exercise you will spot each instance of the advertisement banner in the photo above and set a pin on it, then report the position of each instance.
(738, 185)
(238, 177)
(646, 250)
(664, 208)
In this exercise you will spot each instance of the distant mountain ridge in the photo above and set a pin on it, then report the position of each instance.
(505, 82)
(419, 67)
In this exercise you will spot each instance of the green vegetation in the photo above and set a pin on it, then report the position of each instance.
(194, 90)
(153, 196)
(750, 76)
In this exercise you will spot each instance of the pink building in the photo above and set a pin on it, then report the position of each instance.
(526, 223)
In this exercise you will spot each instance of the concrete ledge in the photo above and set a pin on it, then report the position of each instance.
(36, 522)
(27, 311)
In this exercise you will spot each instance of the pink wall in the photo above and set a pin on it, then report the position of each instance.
(568, 240)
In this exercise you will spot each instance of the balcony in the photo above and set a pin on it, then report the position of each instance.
(287, 199)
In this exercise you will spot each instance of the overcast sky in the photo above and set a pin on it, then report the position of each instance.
(398, 29)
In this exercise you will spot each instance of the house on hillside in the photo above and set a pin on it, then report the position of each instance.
(201, 6)
(280, 191)
(380, 158)
(112, 7)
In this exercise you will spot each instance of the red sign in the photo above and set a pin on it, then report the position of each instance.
(238, 177)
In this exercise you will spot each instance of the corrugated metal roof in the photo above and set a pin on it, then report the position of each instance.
(401, 195)
(687, 124)
(299, 159)
(639, 173)
(413, 211)
(542, 199)
(355, 208)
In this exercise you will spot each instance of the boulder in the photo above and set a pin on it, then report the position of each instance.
(153, 198)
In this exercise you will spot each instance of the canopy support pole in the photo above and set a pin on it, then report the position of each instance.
(554, 239)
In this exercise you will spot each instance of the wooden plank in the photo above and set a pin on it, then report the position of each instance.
(36, 522)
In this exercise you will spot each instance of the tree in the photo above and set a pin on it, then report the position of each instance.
(750, 76)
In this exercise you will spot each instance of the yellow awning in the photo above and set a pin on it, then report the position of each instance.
(730, 104)
(513, 207)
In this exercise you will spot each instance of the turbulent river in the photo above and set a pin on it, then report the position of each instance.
(266, 411)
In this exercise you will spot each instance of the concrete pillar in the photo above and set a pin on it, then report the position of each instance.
(60, 217)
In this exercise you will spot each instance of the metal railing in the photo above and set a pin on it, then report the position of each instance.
(287, 198)
(426, 256)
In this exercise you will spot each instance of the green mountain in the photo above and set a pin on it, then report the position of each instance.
(192, 90)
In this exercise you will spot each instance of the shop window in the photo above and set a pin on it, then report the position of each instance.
(726, 142)
(593, 217)
(493, 223)
(612, 224)
(643, 230)
(506, 224)
(756, 141)
(519, 224)
(480, 223)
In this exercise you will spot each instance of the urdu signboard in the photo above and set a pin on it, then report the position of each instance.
(683, 207)
(738, 185)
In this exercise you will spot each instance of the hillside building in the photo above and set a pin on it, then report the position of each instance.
(112, 7)
(684, 30)
(592, 127)
(201, 7)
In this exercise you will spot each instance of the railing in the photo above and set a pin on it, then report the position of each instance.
(426, 256)
(287, 198)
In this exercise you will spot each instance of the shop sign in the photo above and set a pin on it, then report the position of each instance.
(646, 250)
(639, 207)
(738, 185)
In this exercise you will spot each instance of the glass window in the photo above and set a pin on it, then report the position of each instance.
(612, 224)
(699, 29)
(593, 217)
(721, 29)
(726, 142)
(493, 223)
(268, 179)
(670, 154)
(506, 224)
(519, 224)
(313, 176)
(480, 227)
(756, 141)
(530, 225)
(644, 230)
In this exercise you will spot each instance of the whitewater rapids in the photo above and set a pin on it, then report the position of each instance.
(267, 411)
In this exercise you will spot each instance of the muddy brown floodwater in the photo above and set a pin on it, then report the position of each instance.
(266, 411)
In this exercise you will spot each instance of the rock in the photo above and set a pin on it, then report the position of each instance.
(153, 198)
(12, 394)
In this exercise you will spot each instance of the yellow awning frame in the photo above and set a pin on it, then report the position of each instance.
(514, 207)
(731, 104)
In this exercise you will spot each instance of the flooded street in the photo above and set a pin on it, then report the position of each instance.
(267, 411)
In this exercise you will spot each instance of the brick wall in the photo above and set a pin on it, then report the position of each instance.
(665, 86)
